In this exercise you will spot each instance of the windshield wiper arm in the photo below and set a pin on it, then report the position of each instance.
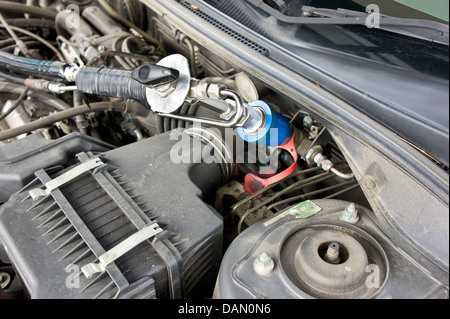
(418, 28)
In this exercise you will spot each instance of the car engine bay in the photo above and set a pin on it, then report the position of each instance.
(137, 162)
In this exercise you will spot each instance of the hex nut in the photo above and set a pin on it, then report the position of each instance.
(350, 214)
(263, 265)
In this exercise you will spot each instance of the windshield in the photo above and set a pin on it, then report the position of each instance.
(379, 45)
(403, 46)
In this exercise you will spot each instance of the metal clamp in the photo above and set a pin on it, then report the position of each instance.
(65, 178)
(231, 123)
(121, 249)
(254, 183)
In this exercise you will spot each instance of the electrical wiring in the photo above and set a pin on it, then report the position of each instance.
(42, 40)
(16, 104)
(20, 44)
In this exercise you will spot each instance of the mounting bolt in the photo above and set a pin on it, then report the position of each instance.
(370, 184)
(350, 214)
(263, 265)
(332, 254)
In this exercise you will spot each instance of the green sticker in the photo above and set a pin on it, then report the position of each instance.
(304, 210)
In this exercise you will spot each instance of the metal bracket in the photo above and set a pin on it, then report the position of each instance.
(121, 249)
(65, 178)
(71, 55)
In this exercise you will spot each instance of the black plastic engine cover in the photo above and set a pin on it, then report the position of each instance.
(48, 240)
(20, 159)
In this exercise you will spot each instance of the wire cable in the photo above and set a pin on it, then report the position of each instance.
(40, 39)
(20, 44)
(16, 104)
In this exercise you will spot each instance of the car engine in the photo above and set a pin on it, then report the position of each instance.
(137, 162)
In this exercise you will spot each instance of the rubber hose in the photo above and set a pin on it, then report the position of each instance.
(166, 124)
(183, 111)
(191, 112)
(130, 25)
(31, 23)
(43, 69)
(31, 10)
(160, 123)
(12, 78)
(173, 124)
(112, 83)
(64, 115)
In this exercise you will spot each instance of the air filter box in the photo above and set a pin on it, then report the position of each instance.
(50, 239)
(20, 159)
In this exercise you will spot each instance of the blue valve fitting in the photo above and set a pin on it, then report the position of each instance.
(274, 129)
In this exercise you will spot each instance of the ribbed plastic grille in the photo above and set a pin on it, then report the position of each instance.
(104, 219)
(108, 224)
(249, 43)
(67, 244)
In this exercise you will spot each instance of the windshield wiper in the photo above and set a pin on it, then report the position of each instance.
(423, 29)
